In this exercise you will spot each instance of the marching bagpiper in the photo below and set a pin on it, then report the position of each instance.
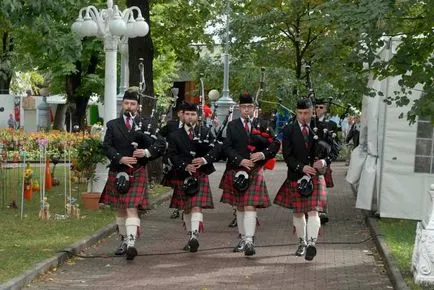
(171, 126)
(321, 108)
(304, 190)
(129, 150)
(192, 151)
(248, 146)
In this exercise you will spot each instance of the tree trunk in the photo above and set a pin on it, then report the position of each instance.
(143, 47)
(73, 82)
(60, 117)
(5, 67)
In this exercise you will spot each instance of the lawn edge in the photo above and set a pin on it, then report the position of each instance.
(26, 277)
(392, 270)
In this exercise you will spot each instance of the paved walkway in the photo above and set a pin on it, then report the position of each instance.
(345, 260)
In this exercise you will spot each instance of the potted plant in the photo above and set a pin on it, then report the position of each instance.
(88, 154)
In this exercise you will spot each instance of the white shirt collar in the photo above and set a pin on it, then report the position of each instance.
(187, 128)
(301, 125)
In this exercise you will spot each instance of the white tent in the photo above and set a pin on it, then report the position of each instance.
(386, 165)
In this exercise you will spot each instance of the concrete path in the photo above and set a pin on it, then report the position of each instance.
(346, 258)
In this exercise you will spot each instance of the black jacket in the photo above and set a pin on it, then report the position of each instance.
(331, 126)
(353, 134)
(181, 148)
(117, 143)
(235, 145)
(169, 128)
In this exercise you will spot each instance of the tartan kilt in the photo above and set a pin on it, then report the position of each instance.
(168, 181)
(256, 195)
(202, 199)
(137, 195)
(329, 177)
(289, 197)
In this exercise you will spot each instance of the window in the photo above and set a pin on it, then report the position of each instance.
(424, 160)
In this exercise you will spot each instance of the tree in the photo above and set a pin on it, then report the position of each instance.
(412, 21)
(43, 39)
(284, 35)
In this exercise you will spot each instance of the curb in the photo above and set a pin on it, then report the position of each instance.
(26, 277)
(389, 261)
(393, 272)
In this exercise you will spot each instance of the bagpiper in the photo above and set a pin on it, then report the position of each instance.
(248, 146)
(128, 150)
(171, 126)
(304, 190)
(321, 109)
(192, 151)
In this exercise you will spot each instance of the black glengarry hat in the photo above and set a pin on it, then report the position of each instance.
(190, 107)
(180, 107)
(320, 102)
(304, 103)
(246, 98)
(132, 94)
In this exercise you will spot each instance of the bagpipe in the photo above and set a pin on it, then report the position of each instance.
(325, 141)
(146, 130)
(324, 144)
(203, 142)
(262, 134)
(261, 137)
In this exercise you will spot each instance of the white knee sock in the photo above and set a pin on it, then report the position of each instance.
(300, 227)
(132, 225)
(120, 222)
(250, 225)
(240, 223)
(313, 225)
(187, 221)
(196, 219)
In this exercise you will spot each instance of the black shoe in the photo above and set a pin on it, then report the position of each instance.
(131, 253)
(233, 223)
(249, 249)
(310, 252)
(175, 214)
(193, 244)
(186, 248)
(323, 218)
(122, 249)
(240, 247)
(301, 250)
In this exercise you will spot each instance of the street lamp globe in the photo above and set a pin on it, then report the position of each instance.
(88, 27)
(76, 26)
(113, 26)
(213, 95)
(117, 26)
(142, 28)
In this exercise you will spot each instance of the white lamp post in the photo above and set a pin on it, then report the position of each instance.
(113, 26)
(225, 102)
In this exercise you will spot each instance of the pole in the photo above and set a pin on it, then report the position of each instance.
(110, 79)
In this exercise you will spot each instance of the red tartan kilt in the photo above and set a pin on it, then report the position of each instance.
(169, 182)
(256, 195)
(202, 199)
(137, 195)
(289, 197)
(329, 177)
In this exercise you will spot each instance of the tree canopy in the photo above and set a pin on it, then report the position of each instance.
(339, 38)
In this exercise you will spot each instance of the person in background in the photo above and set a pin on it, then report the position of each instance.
(12, 124)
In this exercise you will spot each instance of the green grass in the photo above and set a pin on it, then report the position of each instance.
(400, 236)
(23, 243)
